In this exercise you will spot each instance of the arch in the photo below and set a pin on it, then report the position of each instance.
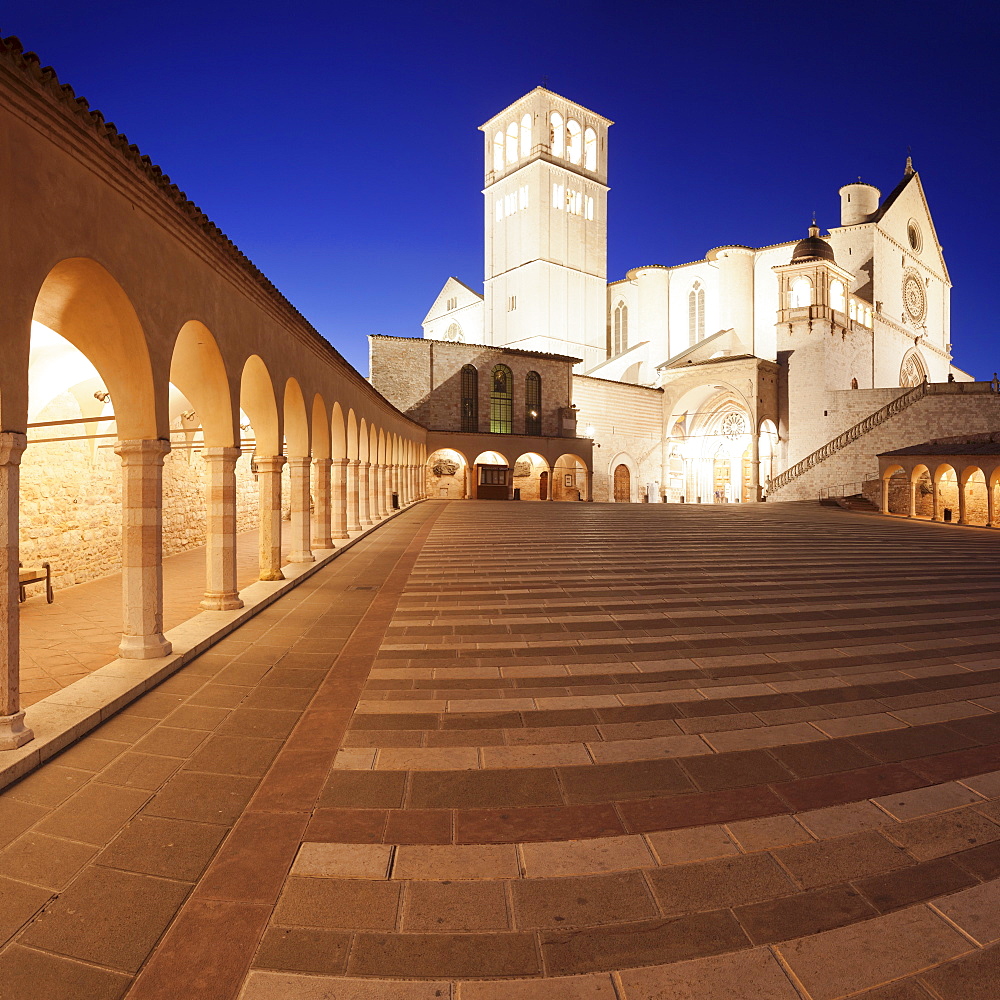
(338, 433)
(352, 442)
(511, 144)
(445, 472)
(569, 478)
(198, 371)
(590, 149)
(912, 369)
(498, 152)
(501, 400)
(973, 497)
(838, 297)
(491, 457)
(525, 136)
(533, 404)
(530, 476)
(363, 441)
(296, 422)
(320, 429)
(258, 402)
(800, 294)
(83, 303)
(557, 134)
(574, 141)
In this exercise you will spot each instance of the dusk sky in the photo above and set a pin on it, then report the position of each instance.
(337, 144)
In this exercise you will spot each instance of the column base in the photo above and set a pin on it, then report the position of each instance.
(323, 543)
(13, 732)
(301, 557)
(353, 527)
(271, 577)
(221, 602)
(144, 647)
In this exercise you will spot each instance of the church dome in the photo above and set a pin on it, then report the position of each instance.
(812, 248)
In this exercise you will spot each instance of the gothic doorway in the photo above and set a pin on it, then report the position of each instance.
(543, 486)
(721, 479)
(747, 491)
(623, 484)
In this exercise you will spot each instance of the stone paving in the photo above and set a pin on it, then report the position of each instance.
(548, 751)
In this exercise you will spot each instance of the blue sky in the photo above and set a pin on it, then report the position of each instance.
(337, 143)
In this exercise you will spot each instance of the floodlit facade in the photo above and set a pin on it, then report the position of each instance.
(739, 366)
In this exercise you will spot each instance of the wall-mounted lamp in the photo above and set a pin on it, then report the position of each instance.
(102, 395)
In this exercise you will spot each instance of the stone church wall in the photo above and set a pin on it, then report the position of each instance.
(627, 422)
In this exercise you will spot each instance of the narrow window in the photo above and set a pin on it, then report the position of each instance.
(590, 209)
(574, 141)
(501, 400)
(558, 196)
(557, 134)
(590, 149)
(470, 398)
(512, 142)
(499, 209)
(620, 328)
(522, 197)
(853, 310)
(526, 136)
(533, 404)
(498, 151)
(701, 313)
(696, 314)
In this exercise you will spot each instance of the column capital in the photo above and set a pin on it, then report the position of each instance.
(298, 461)
(323, 463)
(268, 463)
(12, 445)
(221, 454)
(342, 462)
(148, 451)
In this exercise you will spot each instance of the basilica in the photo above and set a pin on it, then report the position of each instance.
(712, 381)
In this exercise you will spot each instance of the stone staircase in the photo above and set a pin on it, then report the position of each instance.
(923, 413)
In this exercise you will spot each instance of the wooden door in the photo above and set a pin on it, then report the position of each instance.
(623, 484)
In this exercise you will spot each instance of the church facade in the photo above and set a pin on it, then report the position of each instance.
(702, 381)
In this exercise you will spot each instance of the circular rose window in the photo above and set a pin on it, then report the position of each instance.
(913, 297)
(734, 426)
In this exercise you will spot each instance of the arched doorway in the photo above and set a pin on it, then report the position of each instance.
(543, 486)
(721, 480)
(623, 484)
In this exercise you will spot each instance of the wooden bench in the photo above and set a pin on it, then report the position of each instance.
(35, 574)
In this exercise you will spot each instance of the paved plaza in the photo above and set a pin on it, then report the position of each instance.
(501, 751)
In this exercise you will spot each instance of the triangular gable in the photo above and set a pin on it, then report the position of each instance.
(908, 201)
(723, 344)
(452, 289)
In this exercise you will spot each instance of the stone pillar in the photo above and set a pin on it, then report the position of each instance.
(991, 506)
(269, 495)
(142, 549)
(221, 590)
(885, 495)
(13, 732)
(754, 468)
(353, 495)
(470, 482)
(322, 537)
(338, 505)
(962, 487)
(378, 487)
(912, 511)
(299, 469)
(364, 508)
(936, 500)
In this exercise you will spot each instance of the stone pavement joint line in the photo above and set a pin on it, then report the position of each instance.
(617, 752)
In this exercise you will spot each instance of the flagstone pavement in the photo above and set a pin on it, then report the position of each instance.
(560, 751)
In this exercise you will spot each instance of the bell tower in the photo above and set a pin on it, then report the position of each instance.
(546, 199)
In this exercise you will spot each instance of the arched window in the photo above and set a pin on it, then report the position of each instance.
(501, 400)
(574, 141)
(533, 403)
(912, 371)
(498, 151)
(802, 293)
(837, 297)
(557, 134)
(454, 334)
(526, 136)
(619, 328)
(470, 398)
(590, 149)
(696, 313)
(512, 142)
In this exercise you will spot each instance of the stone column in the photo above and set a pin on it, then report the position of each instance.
(269, 493)
(938, 510)
(338, 505)
(378, 490)
(142, 549)
(885, 495)
(353, 495)
(470, 482)
(13, 732)
(912, 511)
(299, 469)
(221, 590)
(962, 487)
(991, 506)
(590, 486)
(364, 498)
(322, 537)
(754, 468)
